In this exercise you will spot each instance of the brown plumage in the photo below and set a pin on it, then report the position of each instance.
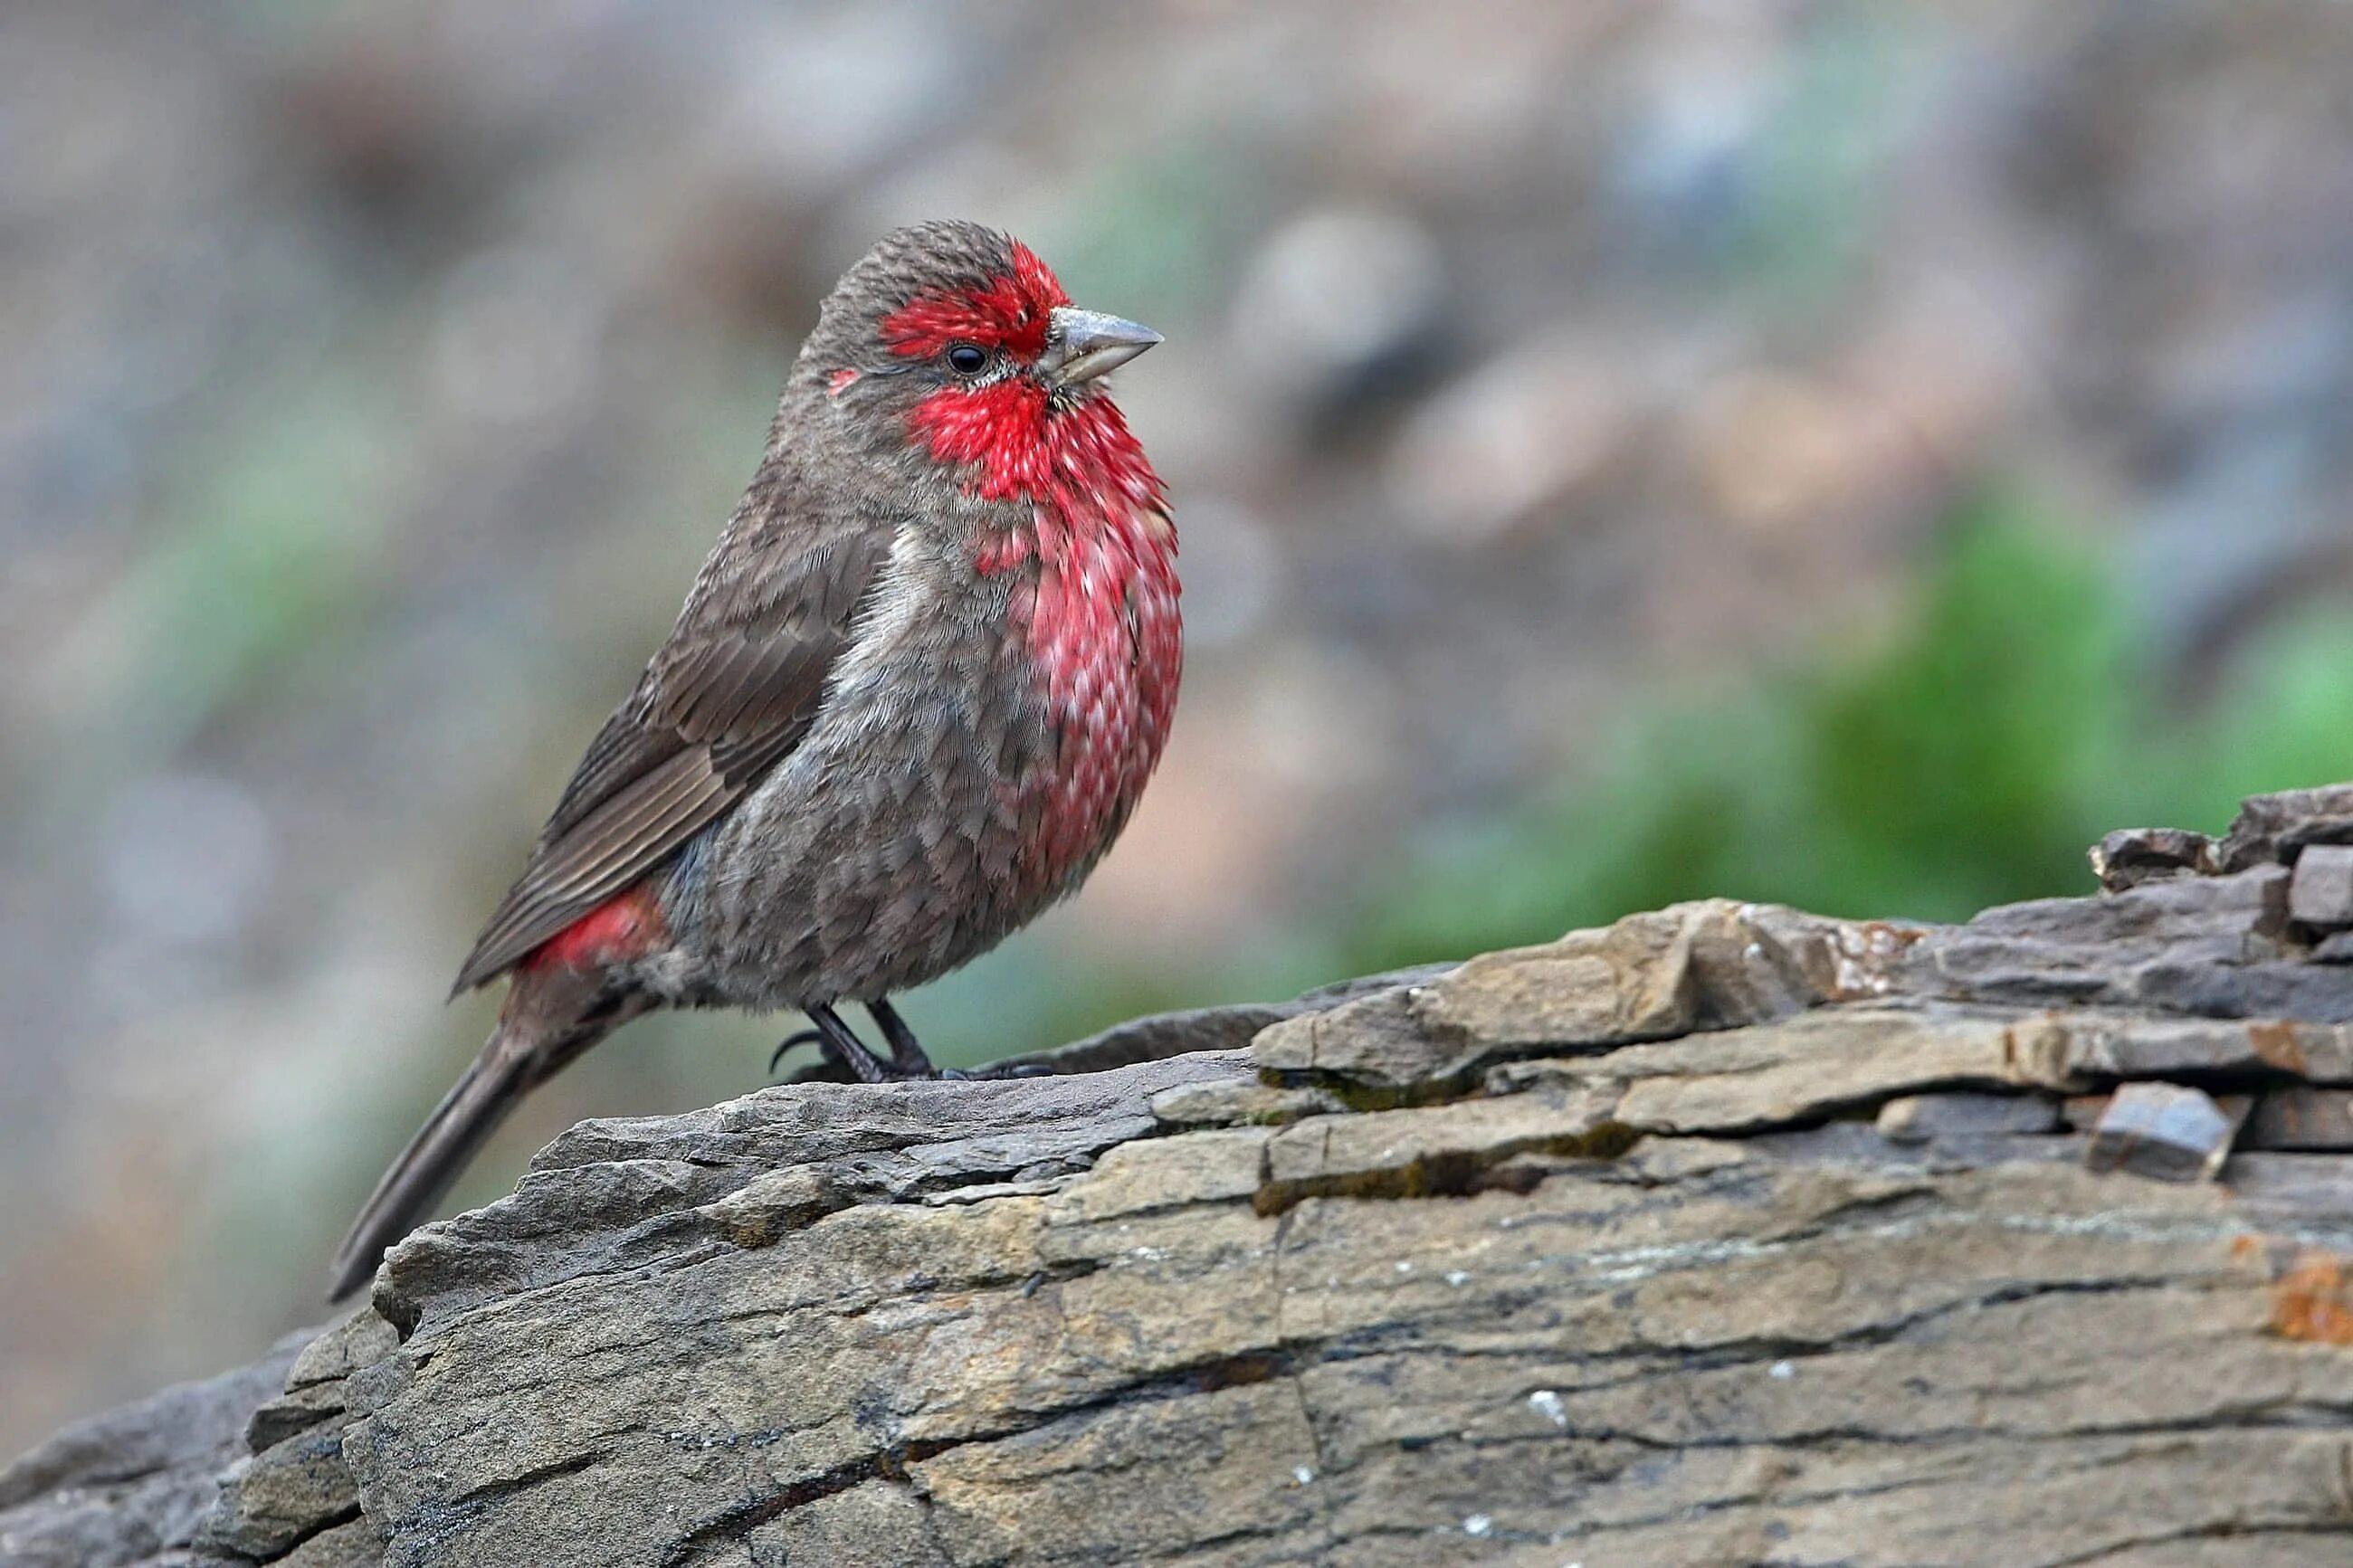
(734, 689)
(912, 697)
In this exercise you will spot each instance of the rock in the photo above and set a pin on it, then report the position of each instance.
(352, 1545)
(130, 1487)
(1234, 1102)
(1695, 966)
(361, 1340)
(282, 1496)
(2102, 1045)
(292, 1500)
(2300, 1118)
(299, 1409)
(2131, 855)
(2273, 828)
(1726, 1233)
(1376, 1042)
(1926, 1118)
(2321, 893)
(2165, 1131)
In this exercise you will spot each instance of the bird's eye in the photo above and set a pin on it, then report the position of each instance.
(967, 360)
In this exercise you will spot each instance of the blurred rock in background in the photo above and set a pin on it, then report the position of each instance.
(1929, 420)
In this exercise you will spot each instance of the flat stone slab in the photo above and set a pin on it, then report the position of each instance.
(1724, 1235)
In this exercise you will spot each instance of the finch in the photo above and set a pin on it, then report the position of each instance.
(914, 693)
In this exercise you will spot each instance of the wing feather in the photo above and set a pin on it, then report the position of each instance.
(727, 698)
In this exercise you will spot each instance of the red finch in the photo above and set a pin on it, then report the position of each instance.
(914, 693)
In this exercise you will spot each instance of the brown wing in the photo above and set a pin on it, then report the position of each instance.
(728, 698)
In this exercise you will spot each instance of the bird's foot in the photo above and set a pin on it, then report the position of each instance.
(908, 1062)
(908, 1057)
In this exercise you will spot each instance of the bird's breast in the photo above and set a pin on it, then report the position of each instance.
(1098, 618)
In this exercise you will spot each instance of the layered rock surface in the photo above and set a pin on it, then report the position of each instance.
(1726, 1234)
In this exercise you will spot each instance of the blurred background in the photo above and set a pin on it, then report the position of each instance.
(1849, 454)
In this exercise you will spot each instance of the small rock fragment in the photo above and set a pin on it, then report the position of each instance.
(2131, 855)
(289, 1491)
(297, 1410)
(1375, 1041)
(2075, 1048)
(1708, 966)
(2322, 891)
(2166, 1132)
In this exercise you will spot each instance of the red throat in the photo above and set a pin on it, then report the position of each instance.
(1099, 611)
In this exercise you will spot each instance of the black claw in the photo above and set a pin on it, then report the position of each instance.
(797, 1037)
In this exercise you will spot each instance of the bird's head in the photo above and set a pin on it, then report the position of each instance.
(956, 342)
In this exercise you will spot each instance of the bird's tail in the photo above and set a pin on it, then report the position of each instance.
(542, 1028)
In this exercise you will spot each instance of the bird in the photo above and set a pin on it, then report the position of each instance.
(914, 693)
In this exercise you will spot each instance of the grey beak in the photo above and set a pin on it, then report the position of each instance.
(1083, 344)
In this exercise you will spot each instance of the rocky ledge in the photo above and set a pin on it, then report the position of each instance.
(1727, 1234)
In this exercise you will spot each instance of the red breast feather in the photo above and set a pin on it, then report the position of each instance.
(1101, 614)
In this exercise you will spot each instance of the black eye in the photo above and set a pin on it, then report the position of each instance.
(966, 360)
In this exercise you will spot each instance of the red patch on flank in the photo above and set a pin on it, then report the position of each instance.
(838, 382)
(1009, 314)
(628, 925)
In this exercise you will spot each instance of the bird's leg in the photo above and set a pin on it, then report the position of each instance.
(842, 1044)
(908, 1057)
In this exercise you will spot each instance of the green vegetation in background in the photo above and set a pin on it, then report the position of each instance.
(1970, 760)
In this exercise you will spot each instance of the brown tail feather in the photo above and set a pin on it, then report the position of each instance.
(548, 1020)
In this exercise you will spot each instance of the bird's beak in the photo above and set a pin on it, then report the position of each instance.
(1083, 344)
